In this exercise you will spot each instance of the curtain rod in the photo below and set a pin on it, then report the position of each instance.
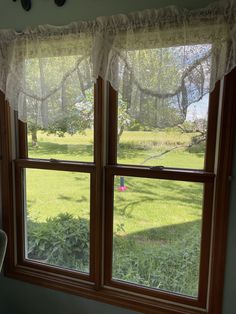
(26, 4)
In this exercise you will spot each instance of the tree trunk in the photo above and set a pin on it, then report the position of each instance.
(121, 130)
(34, 138)
(44, 103)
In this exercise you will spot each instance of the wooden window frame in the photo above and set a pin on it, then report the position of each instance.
(205, 176)
(99, 285)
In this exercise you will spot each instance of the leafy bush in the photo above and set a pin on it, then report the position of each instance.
(62, 241)
(197, 148)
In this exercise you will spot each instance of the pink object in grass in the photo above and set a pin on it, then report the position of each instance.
(122, 188)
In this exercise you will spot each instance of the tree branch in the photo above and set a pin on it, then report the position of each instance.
(173, 148)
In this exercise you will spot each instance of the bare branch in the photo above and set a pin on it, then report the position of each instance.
(200, 140)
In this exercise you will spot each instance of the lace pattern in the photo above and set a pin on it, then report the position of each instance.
(156, 59)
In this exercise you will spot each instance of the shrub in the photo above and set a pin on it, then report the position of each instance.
(62, 241)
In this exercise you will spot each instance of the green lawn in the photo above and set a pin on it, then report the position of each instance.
(156, 222)
(135, 147)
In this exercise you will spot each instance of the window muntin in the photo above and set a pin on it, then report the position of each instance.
(57, 217)
(157, 233)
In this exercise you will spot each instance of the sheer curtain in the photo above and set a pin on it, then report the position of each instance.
(160, 58)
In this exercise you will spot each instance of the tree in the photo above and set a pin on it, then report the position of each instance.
(62, 99)
(79, 118)
(159, 84)
(124, 119)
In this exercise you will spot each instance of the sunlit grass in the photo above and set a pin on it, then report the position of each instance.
(50, 193)
(77, 147)
(158, 148)
(62, 191)
(155, 221)
(150, 203)
(136, 147)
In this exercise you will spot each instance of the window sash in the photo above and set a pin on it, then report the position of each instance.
(95, 170)
(206, 176)
(208, 179)
(20, 166)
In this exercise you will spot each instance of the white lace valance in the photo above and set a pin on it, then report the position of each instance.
(156, 59)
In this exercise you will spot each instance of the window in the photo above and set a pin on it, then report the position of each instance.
(121, 210)
(56, 201)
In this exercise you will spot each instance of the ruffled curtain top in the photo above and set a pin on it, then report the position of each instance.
(158, 60)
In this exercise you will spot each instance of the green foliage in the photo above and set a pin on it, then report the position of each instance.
(78, 120)
(169, 267)
(135, 125)
(68, 109)
(197, 147)
(62, 241)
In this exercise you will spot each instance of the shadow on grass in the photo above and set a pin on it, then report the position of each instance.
(130, 150)
(165, 258)
(49, 149)
(167, 234)
(126, 150)
(82, 199)
(145, 191)
(65, 198)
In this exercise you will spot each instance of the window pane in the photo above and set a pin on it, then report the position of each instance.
(77, 147)
(157, 232)
(71, 139)
(57, 209)
(59, 107)
(163, 107)
(181, 146)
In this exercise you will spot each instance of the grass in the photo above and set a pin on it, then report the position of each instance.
(150, 203)
(78, 147)
(50, 193)
(155, 221)
(134, 148)
(162, 219)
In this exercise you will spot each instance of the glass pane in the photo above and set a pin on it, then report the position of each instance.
(57, 209)
(157, 233)
(170, 129)
(71, 137)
